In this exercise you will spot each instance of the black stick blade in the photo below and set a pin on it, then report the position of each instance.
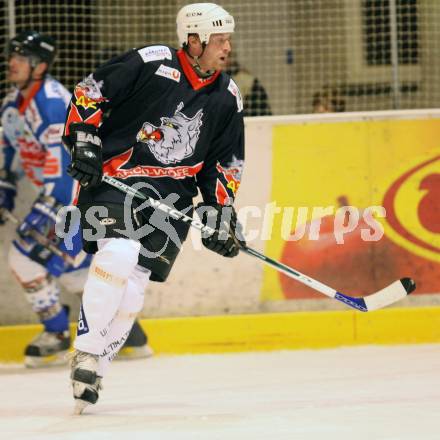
(408, 284)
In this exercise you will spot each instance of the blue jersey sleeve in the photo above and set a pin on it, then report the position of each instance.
(57, 183)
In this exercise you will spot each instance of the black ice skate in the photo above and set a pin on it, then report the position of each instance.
(47, 349)
(136, 346)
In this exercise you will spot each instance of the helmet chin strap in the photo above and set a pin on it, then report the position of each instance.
(196, 65)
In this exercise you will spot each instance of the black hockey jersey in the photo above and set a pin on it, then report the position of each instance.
(161, 123)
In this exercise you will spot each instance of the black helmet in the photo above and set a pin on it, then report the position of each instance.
(33, 44)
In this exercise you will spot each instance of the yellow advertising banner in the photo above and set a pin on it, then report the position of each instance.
(358, 206)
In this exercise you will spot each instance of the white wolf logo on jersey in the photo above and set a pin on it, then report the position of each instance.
(175, 138)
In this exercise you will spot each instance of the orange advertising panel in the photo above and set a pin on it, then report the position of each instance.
(359, 206)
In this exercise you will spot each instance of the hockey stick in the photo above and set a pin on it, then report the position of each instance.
(394, 292)
(43, 240)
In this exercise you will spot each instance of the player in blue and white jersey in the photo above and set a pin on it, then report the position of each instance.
(33, 115)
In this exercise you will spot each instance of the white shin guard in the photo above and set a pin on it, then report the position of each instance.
(112, 266)
(119, 329)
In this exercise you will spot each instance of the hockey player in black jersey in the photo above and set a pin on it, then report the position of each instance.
(169, 123)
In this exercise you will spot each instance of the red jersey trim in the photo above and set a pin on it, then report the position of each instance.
(73, 116)
(112, 167)
(195, 81)
(26, 101)
(221, 194)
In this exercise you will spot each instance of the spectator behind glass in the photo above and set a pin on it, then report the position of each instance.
(328, 100)
(256, 101)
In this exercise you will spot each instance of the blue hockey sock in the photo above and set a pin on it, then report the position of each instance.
(58, 323)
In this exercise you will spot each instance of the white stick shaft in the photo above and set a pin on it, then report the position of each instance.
(382, 298)
(280, 267)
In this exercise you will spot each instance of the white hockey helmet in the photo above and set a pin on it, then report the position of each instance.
(203, 19)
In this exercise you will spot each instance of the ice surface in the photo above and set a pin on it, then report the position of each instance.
(360, 393)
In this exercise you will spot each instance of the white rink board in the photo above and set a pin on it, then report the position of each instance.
(363, 393)
(203, 283)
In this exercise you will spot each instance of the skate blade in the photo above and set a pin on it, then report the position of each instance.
(46, 361)
(127, 353)
(80, 406)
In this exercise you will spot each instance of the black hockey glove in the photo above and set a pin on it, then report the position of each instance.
(86, 154)
(228, 237)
